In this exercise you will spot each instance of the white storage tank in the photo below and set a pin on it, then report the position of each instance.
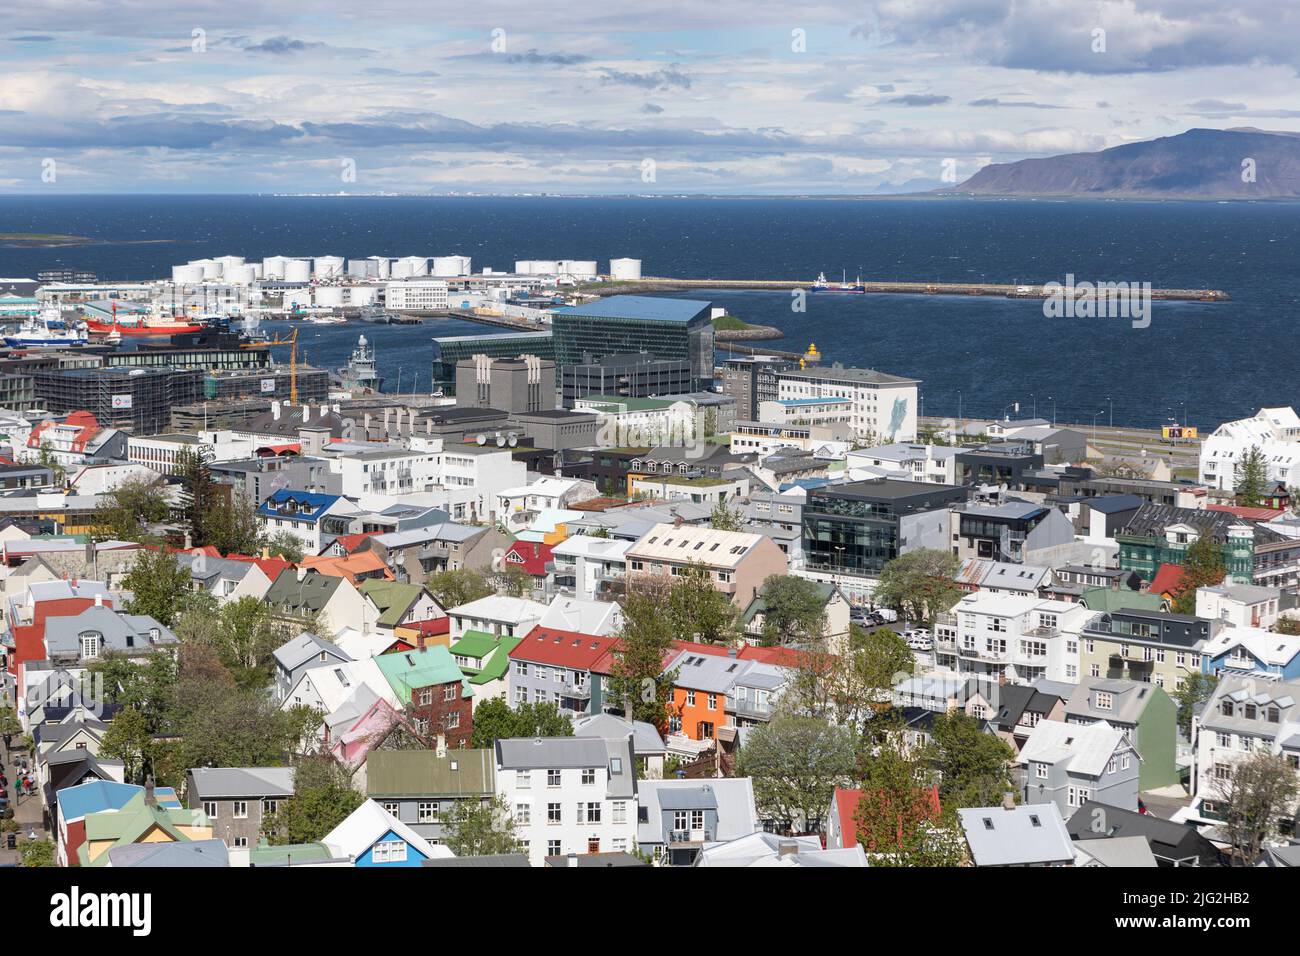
(328, 266)
(523, 267)
(273, 267)
(383, 266)
(360, 268)
(329, 296)
(578, 268)
(446, 266)
(363, 295)
(257, 269)
(229, 262)
(187, 275)
(401, 269)
(297, 270)
(211, 267)
(241, 274)
(419, 265)
(625, 268)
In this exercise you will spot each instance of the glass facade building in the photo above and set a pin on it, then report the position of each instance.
(667, 328)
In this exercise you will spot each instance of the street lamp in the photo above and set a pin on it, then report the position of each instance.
(1053, 401)
(1034, 399)
(1111, 420)
(1094, 426)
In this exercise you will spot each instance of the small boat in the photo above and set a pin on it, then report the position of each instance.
(47, 330)
(138, 324)
(821, 285)
(375, 315)
(327, 320)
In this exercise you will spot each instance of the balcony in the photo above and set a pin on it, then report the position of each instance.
(974, 653)
(1041, 631)
(748, 707)
(577, 691)
(678, 837)
(945, 643)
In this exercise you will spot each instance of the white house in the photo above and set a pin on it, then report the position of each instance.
(328, 687)
(1240, 605)
(1018, 638)
(569, 794)
(936, 464)
(585, 565)
(496, 614)
(1274, 431)
(516, 507)
(314, 519)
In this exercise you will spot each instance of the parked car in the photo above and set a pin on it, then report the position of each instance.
(919, 639)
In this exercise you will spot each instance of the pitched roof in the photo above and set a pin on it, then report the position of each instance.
(222, 782)
(294, 653)
(1019, 836)
(1168, 580)
(572, 649)
(420, 773)
(310, 593)
(732, 796)
(1108, 599)
(1084, 749)
(190, 854)
(429, 666)
(364, 827)
(1173, 842)
(393, 598)
(532, 556)
(645, 739)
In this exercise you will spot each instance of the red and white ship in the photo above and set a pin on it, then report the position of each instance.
(142, 324)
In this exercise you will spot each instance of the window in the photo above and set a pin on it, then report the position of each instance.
(553, 848)
(389, 851)
(90, 644)
(1104, 701)
(523, 779)
(392, 808)
(269, 807)
(552, 778)
(588, 776)
(426, 697)
(593, 813)
(428, 813)
(690, 698)
(1040, 771)
(240, 808)
(521, 695)
(620, 811)
(553, 814)
(523, 813)
(210, 808)
(713, 702)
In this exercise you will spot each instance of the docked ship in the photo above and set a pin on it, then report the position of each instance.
(47, 330)
(143, 324)
(821, 285)
(376, 315)
(360, 374)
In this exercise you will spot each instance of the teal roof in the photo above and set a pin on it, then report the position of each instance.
(475, 644)
(407, 670)
(281, 855)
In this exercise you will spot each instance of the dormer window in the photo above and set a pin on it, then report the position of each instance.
(1226, 708)
(1104, 701)
(91, 643)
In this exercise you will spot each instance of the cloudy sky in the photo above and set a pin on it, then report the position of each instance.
(658, 96)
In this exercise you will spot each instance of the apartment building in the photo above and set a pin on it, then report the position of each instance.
(883, 407)
(737, 562)
(1011, 637)
(569, 794)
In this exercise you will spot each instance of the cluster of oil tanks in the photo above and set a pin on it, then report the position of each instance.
(233, 269)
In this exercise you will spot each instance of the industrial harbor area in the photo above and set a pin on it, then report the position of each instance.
(752, 436)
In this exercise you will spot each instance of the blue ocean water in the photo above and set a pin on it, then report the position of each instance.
(1199, 362)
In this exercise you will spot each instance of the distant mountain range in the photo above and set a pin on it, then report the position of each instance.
(1198, 164)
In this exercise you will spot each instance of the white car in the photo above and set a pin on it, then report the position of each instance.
(919, 639)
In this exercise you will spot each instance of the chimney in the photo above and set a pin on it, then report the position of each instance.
(149, 797)
(787, 848)
(1008, 801)
(678, 521)
(306, 413)
(275, 411)
(324, 410)
(266, 552)
(572, 859)
(731, 652)
(302, 573)
(99, 600)
(442, 746)
(189, 542)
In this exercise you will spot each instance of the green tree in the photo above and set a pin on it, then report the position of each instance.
(37, 853)
(494, 719)
(1251, 478)
(480, 828)
(699, 611)
(920, 584)
(149, 687)
(972, 764)
(230, 524)
(638, 680)
(159, 586)
(126, 512)
(47, 459)
(726, 518)
(224, 727)
(897, 821)
(457, 586)
(1259, 790)
(793, 611)
(511, 580)
(322, 799)
(796, 762)
(129, 740)
(197, 491)
(247, 639)
(284, 544)
(849, 687)
(1202, 566)
(1196, 689)
(1287, 625)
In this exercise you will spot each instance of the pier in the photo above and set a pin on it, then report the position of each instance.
(874, 286)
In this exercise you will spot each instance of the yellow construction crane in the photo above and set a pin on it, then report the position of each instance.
(292, 342)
